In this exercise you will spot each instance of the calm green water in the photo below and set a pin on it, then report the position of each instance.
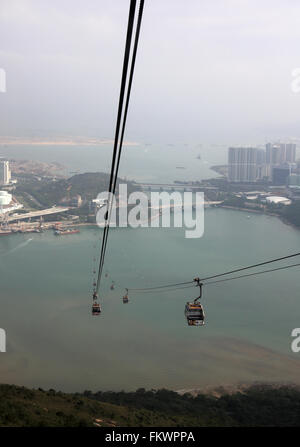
(53, 341)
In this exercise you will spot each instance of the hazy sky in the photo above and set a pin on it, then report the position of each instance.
(207, 70)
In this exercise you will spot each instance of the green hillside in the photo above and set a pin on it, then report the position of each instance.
(47, 192)
(255, 406)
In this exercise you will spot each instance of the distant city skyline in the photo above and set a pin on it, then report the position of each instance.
(251, 164)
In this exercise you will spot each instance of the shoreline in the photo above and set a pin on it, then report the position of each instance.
(283, 219)
(66, 142)
(91, 224)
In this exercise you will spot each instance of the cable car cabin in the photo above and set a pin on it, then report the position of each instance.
(195, 323)
(125, 299)
(194, 313)
(96, 308)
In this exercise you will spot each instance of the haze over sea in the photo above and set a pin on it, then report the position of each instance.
(141, 162)
(52, 339)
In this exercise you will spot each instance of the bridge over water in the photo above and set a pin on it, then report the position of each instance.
(39, 213)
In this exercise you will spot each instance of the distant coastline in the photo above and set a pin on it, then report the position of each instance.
(59, 141)
(220, 169)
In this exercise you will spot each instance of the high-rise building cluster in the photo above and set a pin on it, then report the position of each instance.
(5, 174)
(250, 164)
(242, 163)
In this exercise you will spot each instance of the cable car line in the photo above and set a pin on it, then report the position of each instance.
(168, 290)
(134, 53)
(215, 276)
(117, 130)
(194, 311)
(120, 124)
(162, 287)
(216, 282)
(253, 274)
(96, 308)
(252, 266)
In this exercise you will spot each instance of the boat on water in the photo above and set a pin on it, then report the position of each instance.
(29, 230)
(5, 232)
(66, 232)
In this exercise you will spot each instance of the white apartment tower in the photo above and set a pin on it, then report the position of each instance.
(5, 174)
(242, 164)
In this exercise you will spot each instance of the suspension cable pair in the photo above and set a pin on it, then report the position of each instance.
(121, 122)
(187, 284)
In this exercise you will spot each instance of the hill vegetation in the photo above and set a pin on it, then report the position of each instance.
(256, 406)
(291, 213)
(43, 193)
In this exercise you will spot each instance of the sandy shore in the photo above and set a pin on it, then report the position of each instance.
(80, 141)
